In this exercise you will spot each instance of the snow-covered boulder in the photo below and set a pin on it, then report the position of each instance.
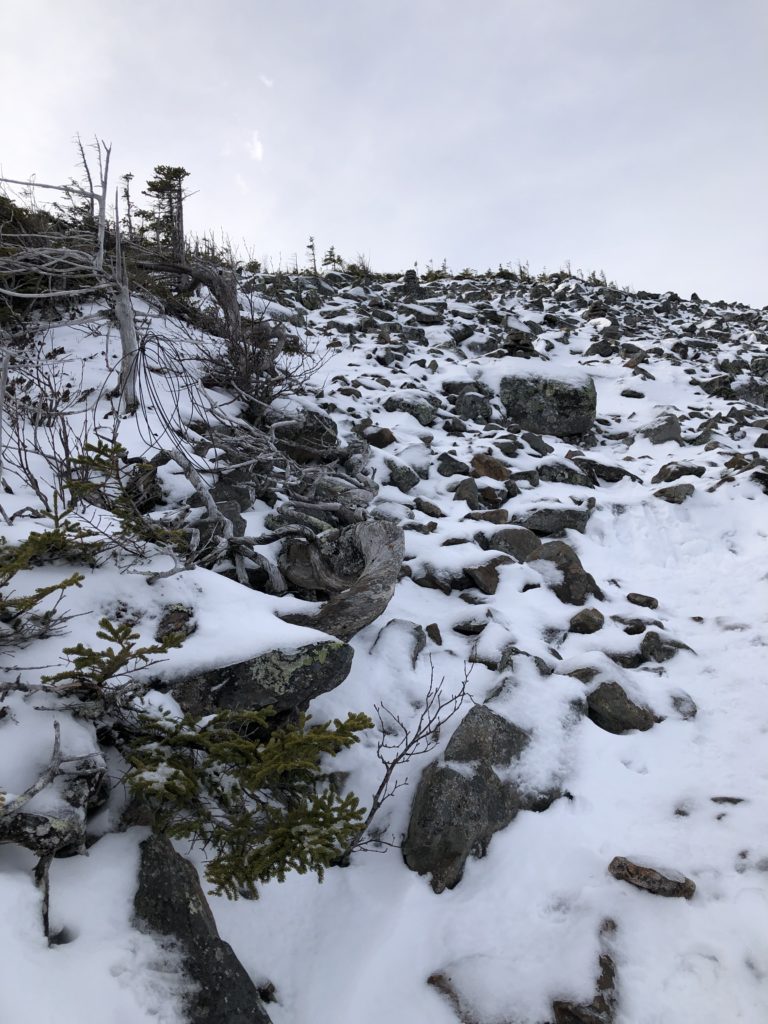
(169, 901)
(548, 403)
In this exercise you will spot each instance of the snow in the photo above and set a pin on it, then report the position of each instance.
(523, 926)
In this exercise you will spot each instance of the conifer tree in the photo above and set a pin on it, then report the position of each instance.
(166, 217)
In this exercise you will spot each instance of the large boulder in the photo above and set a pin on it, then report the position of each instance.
(381, 548)
(564, 407)
(457, 808)
(285, 680)
(169, 901)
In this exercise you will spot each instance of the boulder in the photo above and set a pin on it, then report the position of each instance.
(575, 584)
(401, 475)
(676, 494)
(169, 901)
(471, 405)
(449, 465)
(550, 405)
(609, 707)
(419, 406)
(456, 810)
(516, 541)
(554, 520)
(588, 620)
(665, 427)
(285, 680)
(602, 1008)
(674, 470)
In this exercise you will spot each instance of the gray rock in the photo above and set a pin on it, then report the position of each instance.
(658, 648)
(548, 405)
(674, 470)
(562, 472)
(449, 465)
(575, 585)
(676, 494)
(643, 600)
(485, 736)
(588, 620)
(405, 634)
(554, 520)
(470, 405)
(516, 541)
(455, 813)
(401, 475)
(665, 427)
(169, 901)
(609, 707)
(602, 1008)
(285, 680)
(659, 882)
(419, 406)
(467, 491)
(684, 705)
(537, 443)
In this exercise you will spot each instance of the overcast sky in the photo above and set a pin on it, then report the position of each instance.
(624, 135)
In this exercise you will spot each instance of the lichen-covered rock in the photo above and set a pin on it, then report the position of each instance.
(169, 901)
(549, 405)
(286, 680)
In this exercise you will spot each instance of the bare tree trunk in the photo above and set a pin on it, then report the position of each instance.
(126, 324)
(101, 200)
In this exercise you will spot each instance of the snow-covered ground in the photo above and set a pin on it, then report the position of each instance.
(522, 928)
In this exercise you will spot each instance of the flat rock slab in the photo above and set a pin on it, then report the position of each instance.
(659, 882)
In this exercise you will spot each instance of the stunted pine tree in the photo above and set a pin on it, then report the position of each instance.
(165, 219)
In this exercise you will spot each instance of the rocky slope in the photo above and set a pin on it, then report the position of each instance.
(543, 498)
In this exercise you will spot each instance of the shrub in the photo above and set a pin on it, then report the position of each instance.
(258, 799)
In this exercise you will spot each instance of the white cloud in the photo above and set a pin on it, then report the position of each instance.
(268, 82)
(255, 148)
(242, 185)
